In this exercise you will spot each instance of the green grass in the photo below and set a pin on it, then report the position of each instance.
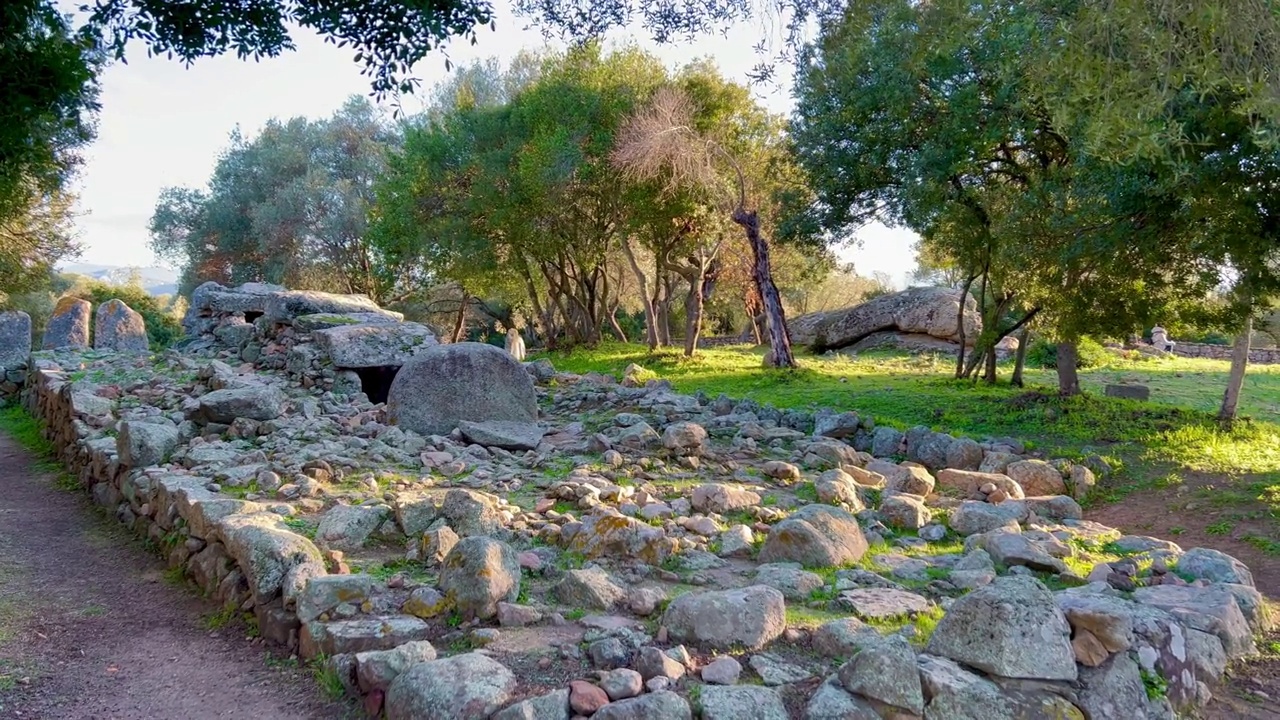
(327, 678)
(221, 619)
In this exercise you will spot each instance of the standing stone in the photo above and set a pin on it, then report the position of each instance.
(68, 327)
(15, 339)
(447, 384)
(478, 573)
(119, 327)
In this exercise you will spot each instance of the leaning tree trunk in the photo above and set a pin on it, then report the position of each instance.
(1068, 377)
(613, 324)
(779, 354)
(460, 323)
(1020, 359)
(1235, 383)
(642, 281)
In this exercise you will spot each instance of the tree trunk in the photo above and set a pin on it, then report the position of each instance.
(964, 295)
(779, 354)
(663, 305)
(460, 324)
(1020, 360)
(1235, 383)
(615, 326)
(1068, 377)
(693, 313)
(989, 377)
(642, 281)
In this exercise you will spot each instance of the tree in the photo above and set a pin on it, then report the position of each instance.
(661, 141)
(289, 206)
(929, 116)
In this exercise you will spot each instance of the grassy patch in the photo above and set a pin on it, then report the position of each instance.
(327, 678)
(221, 619)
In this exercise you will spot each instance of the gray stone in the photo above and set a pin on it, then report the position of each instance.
(359, 635)
(886, 671)
(1010, 549)
(119, 327)
(1212, 610)
(348, 527)
(15, 339)
(974, 517)
(839, 639)
(742, 702)
(68, 326)
(790, 579)
(737, 542)
(471, 513)
(748, 618)
(1055, 507)
(663, 705)
(723, 498)
(504, 434)
(378, 344)
(225, 406)
(552, 706)
(886, 441)
(837, 487)
(284, 306)
(143, 444)
(609, 653)
(1115, 689)
(835, 425)
(882, 603)
(478, 573)
(831, 702)
(324, 593)
(470, 686)
(956, 694)
(774, 671)
(687, 437)
(1214, 566)
(722, 671)
(320, 321)
(1011, 628)
(905, 512)
(267, 551)
(377, 669)
(591, 588)
(968, 483)
(964, 454)
(816, 536)
(435, 391)
(622, 683)
(652, 663)
(925, 310)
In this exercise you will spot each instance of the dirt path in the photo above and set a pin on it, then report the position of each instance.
(90, 629)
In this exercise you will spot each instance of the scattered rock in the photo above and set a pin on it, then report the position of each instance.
(722, 671)
(816, 536)
(437, 389)
(462, 686)
(478, 573)
(590, 588)
(747, 618)
(741, 702)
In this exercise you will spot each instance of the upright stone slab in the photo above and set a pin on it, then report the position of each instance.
(68, 327)
(15, 339)
(447, 384)
(119, 327)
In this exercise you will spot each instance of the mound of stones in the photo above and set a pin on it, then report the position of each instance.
(647, 554)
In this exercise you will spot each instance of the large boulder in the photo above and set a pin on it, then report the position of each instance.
(886, 671)
(269, 553)
(462, 687)
(68, 326)
(374, 344)
(816, 536)
(119, 327)
(1214, 566)
(256, 402)
(741, 702)
(928, 310)
(747, 618)
(15, 339)
(478, 573)
(1037, 477)
(447, 384)
(142, 444)
(1011, 628)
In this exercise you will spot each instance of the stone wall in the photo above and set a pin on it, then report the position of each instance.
(1257, 356)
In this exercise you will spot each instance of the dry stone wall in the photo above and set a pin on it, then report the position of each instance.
(1258, 356)
(641, 549)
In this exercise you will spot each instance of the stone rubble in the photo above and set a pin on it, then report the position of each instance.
(645, 554)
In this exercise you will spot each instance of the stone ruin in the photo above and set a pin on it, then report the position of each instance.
(549, 545)
(336, 342)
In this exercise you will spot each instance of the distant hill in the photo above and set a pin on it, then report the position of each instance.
(155, 280)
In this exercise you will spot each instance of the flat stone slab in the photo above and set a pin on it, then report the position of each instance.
(1132, 392)
(505, 434)
(353, 636)
(882, 603)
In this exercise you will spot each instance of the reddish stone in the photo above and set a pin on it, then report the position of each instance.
(585, 698)
(373, 704)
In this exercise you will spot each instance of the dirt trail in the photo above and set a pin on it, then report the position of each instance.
(89, 628)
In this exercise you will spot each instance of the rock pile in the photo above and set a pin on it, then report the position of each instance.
(644, 550)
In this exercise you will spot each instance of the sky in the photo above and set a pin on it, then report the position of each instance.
(164, 124)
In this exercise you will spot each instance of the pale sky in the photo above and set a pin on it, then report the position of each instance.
(164, 124)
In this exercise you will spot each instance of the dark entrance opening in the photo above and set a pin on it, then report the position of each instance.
(376, 381)
(251, 315)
